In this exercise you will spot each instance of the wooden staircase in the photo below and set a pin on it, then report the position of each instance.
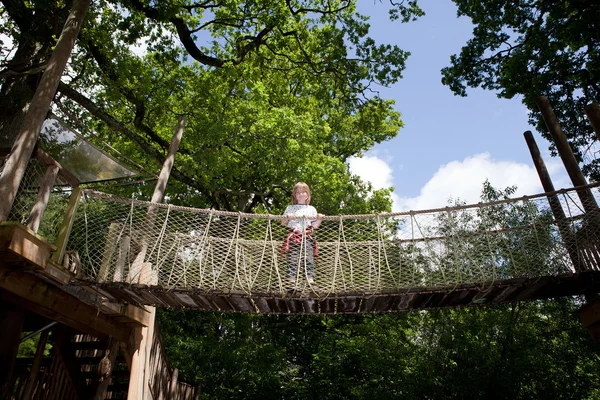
(82, 354)
(88, 352)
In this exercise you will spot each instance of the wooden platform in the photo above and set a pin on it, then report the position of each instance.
(32, 282)
(294, 302)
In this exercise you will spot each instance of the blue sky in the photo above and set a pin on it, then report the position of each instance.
(449, 144)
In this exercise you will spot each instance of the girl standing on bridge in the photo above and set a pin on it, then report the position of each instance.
(299, 245)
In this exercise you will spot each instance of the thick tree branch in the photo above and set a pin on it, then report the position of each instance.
(114, 124)
(185, 35)
(19, 13)
(315, 10)
(140, 107)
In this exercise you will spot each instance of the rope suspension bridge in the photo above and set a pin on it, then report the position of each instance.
(96, 263)
(170, 256)
(101, 264)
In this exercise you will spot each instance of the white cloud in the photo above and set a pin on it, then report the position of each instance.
(372, 169)
(375, 170)
(464, 180)
(460, 179)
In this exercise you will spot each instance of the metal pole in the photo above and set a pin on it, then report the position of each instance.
(50, 325)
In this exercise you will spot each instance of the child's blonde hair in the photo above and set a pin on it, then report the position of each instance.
(300, 187)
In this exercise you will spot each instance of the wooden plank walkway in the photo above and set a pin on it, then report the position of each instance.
(309, 302)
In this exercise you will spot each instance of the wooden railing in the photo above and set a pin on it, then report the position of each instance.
(51, 382)
(164, 382)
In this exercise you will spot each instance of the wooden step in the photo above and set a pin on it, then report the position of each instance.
(96, 360)
(118, 387)
(115, 374)
(113, 396)
(99, 345)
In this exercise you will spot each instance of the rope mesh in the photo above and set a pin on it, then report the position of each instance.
(26, 196)
(135, 242)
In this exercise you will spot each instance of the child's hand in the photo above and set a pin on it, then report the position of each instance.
(316, 223)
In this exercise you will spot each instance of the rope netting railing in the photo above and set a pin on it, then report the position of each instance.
(124, 241)
(26, 197)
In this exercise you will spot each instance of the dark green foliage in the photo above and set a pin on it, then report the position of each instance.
(522, 351)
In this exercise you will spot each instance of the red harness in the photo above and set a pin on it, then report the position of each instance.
(295, 236)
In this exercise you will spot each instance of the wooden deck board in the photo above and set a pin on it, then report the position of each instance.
(327, 303)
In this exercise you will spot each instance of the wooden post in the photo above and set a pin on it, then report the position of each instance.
(173, 384)
(593, 113)
(589, 315)
(110, 245)
(557, 210)
(41, 201)
(67, 225)
(11, 321)
(143, 337)
(566, 154)
(122, 256)
(165, 172)
(113, 347)
(47, 160)
(35, 367)
(16, 163)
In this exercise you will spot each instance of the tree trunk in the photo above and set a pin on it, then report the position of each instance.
(20, 78)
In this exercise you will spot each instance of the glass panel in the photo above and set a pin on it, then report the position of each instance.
(82, 159)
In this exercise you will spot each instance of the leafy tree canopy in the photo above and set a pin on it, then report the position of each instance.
(529, 350)
(274, 92)
(532, 48)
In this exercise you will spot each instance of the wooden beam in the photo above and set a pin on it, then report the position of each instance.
(134, 315)
(110, 246)
(16, 163)
(35, 367)
(47, 160)
(566, 154)
(113, 347)
(555, 206)
(20, 245)
(11, 321)
(67, 225)
(41, 201)
(143, 337)
(173, 385)
(589, 315)
(31, 293)
(593, 113)
(57, 273)
(165, 172)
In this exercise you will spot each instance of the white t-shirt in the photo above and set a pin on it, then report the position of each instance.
(301, 210)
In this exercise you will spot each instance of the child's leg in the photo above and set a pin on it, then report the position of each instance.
(309, 260)
(293, 262)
